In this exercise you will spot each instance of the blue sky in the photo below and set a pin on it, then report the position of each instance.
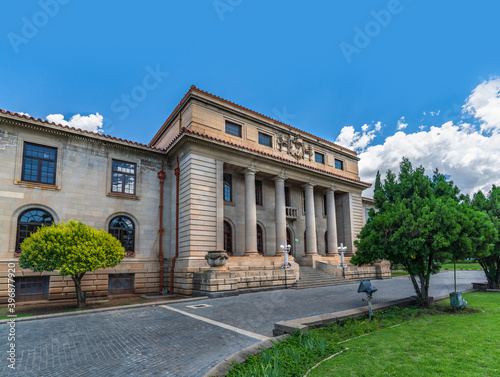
(348, 68)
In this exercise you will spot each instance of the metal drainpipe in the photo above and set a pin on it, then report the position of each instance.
(177, 172)
(161, 177)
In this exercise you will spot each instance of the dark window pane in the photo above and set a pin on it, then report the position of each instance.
(260, 240)
(32, 288)
(233, 129)
(123, 177)
(339, 164)
(288, 201)
(264, 139)
(122, 228)
(228, 238)
(258, 193)
(39, 164)
(228, 195)
(120, 284)
(318, 157)
(29, 221)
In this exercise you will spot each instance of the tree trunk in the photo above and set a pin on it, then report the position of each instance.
(491, 268)
(80, 298)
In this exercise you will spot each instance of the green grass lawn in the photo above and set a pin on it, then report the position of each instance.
(430, 345)
(396, 273)
(462, 266)
(398, 342)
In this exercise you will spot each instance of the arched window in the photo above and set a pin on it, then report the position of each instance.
(289, 240)
(260, 240)
(123, 229)
(305, 242)
(228, 238)
(29, 221)
(326, 242)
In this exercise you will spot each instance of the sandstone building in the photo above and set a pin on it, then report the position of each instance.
(233, 180)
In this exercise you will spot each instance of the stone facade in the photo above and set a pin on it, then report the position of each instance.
(82, 190)
(284, 184)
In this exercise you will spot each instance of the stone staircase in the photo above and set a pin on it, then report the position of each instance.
(314, 277)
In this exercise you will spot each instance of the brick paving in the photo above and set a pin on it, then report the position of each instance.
(154, 341)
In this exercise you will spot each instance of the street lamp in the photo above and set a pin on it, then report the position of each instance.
(342, 249)
(286, 249)
(286, 266)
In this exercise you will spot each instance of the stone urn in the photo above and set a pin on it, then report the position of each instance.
(216, 258)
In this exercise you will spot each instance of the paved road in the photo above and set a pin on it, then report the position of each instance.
(182, 339)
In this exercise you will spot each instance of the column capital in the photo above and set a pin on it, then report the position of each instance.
(251, 170)
(332, 188)
(280, 177)
(309, 184)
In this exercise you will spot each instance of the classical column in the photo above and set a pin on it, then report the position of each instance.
(219, 171)
(279, 183)
(310, 220)
(250, 213)
(331, 221)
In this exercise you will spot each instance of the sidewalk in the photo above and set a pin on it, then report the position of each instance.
(184, 339)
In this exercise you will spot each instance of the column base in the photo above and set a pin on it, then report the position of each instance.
(252, 253)
(310, 260)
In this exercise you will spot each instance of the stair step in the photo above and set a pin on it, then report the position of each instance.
(315, 278)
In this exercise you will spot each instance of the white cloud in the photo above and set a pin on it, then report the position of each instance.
(468, 156)
(91, 122)
(401, 124)
(26, 114)
(484, 105)
(469, 153)
(358, 141)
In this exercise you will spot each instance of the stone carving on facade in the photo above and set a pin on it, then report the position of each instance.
(294, 146)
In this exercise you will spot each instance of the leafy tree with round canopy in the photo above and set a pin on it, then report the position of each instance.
(71, 248)
(489, 262)
(421, 223)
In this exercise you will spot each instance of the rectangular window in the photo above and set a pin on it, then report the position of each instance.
(324, 205)
(304, 200)
(228, 190)
(265, 140)
(319, 157)
(288, 200)
(258, 193)
(39, 164)
(233, 129)
(339, 164)
(119, 284)
(123, 177)
(32, 288)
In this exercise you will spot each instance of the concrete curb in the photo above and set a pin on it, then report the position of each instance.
(303, 324)
(90, 311)
(223, 367)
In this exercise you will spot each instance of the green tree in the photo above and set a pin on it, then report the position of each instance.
(420, 224)
(378, 183)
(490, 262)
(72, 249)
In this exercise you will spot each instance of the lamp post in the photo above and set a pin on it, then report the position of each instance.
(342, 250)
(286, 266)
